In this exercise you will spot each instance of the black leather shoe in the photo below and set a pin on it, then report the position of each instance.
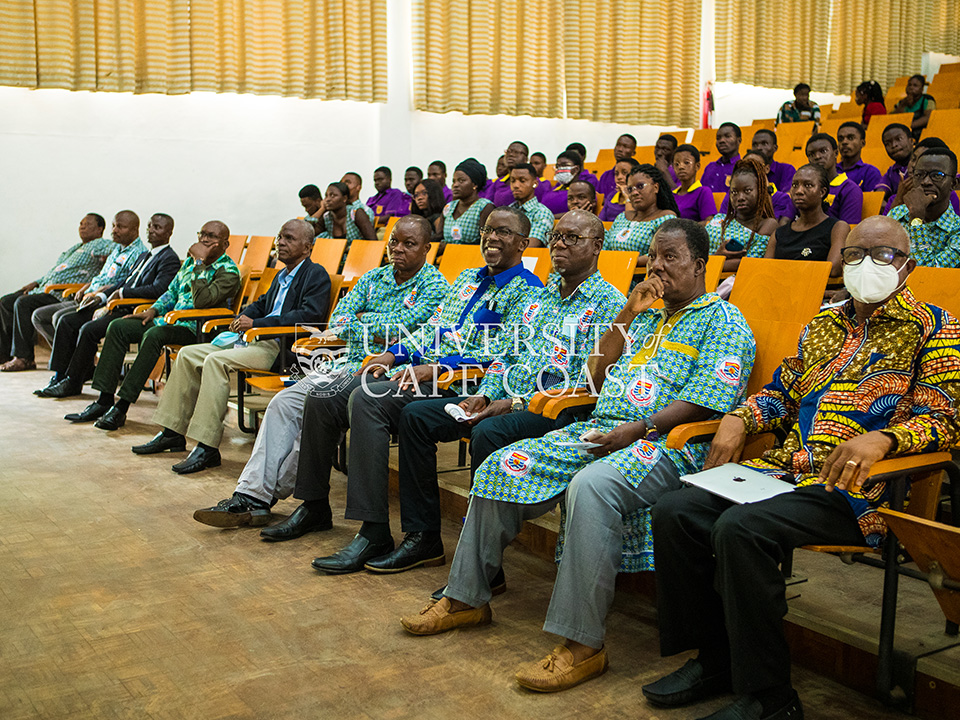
(300, 522)
(417, 548)
(353, 557)
(199, 459)
(62, 389)
(40, 393)
(90, 413)
(748, 707)
(235, 511)
(498, 586)
(686, 685)
(160, 442)
(112, 419)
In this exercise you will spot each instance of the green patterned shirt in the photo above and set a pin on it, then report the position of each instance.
(541, 219)
(632, 235)
(935, 244)
(77, 264)
(754, 243)
(464, 230)
(198, 287)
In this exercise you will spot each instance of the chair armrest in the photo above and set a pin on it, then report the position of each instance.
(211, 325)
(205, 314)
(66, 289)
(306, 345)
(266, 333)
(121, 302)
(893, 467)
(682, 434)
(451, 376)
(142, 308)
(550, 405)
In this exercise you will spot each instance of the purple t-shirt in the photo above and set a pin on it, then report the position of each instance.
(716, 175)
(447, 194)
(611, 207)
(782, 205)
(391, 202)
(846, 200)
(607, 183)
(781, 174)
(589, 177)
(502, 195)
(556, 200)
(697, 204)
(867, 177)
(891, 178)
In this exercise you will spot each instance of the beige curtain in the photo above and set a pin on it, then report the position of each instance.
(944, 35)
(632, 62)
(328, 49)
(773, 43)
(482, 57)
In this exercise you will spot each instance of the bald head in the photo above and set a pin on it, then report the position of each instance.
(588, 224)
(126, 227)
(416, 227)
(879, 230)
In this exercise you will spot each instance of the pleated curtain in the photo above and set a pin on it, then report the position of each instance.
(944, 35)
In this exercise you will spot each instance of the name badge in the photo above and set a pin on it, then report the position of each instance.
(455, 232)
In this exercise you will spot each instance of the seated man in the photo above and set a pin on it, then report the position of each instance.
(898, 142)
(845, 197)
(207, 279)
(401, 294)
(77, 264)
(524, 185)
(72, 358)
(388, 202)
(464, 330)
(411, 178)
(663, 151)
(354, 184)
(801, 109)
(547, 352)
(194, 401)
(685, 363)
(437, 171)
(851, 138)
(311, 199)
(926, 213)
(716, 175)
(876, 377)
(582, 195)
(780, 174)
(626, 147)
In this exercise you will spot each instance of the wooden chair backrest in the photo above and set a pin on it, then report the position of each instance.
(616, 267)
(247, 285)
(432, 252)
(457, 258)
(847, 111)
(872, 203)
(943, 122)
(336, 283)
(263, 283)
(605, 158)
(937, 286)
(388, 228)
(328, 252)
(544, 265)
(705, 140)
(258, 250)
(235, 248)
(879, 122)
(791, 136)
(362, 256)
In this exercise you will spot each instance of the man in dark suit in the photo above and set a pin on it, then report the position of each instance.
(79, 332)
(194, 401)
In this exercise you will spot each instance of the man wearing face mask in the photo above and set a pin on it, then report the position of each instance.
(876, 377)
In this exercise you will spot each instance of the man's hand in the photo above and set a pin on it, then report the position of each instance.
(378, 364)
(78, 295)
(411, 377)
(917, 201)
(146, 316)
(846, 468)
(727, 445)
(115, 295)
(241, 323)
(90, 300)
(645, 294)
(620, 437)
(486, 410)
(28, 287)
(474, 404)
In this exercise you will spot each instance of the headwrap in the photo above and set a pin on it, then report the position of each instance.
(474, 170)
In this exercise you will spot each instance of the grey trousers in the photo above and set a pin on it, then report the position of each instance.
(45, 319)
(597, 499)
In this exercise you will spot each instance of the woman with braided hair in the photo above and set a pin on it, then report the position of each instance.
(870, 95)
(652, 203)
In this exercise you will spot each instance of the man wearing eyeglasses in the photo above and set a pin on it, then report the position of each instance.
(501, 191)
(876, 377)
(465, 330)
(926, 213)
(207, 279)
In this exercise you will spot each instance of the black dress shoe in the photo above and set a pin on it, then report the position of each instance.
(748, 707)
(41, 391)
(112, 419)
(235, 511)
(200, 459)
(498, 586)
(62, 389)
(417, 548)
(161, 442)
(90, 413)
(353, 557)
(687, 685)
(300, 522)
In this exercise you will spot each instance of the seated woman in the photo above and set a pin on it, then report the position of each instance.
(616, 201)
(694, 201)
(783, 209)
(467, 212)
(428, 202)
(870, 95)
(916, 101)
(651, 204)
(813, 235)
(748, 223)
(339, 220)
(569, 167)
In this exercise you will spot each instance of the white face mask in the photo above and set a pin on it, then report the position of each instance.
(869, 282)
(563, 177)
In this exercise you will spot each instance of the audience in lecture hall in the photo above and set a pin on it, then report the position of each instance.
(851, 137)
(800, 109)
(539, 162)
(783, 209)
(899, 144)
(918, 102)
(428, 202)
(582, 195)
(663, 155)
(388, 202)
(625, 149)
(846, 197)
(411, 177)
(569, 167)
(870, 95)
(467, 212)
(716, 175)
(523, 187)
(780, 174)
(437, 171)
(341, 219)
(616, 201)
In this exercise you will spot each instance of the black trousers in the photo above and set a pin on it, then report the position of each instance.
(79, 360)
(17, 334)
(424, 424)
(719, 583)
(68, 332)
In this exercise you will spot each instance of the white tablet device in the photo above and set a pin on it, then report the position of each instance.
(738, 483)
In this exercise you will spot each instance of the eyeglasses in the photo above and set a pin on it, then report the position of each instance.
(502, 233)
(568, 239)
(881, 254)
(204, 234)
(637, 188)
(935, 175)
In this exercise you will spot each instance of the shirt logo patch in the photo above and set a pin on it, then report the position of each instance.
(646, 452)
(561, 356)
(643, 393)
(623, 234)
(496, 368)
(516, 463)
(531, 312)
(586, 319)
(411, 299)
(728, 370)
(467, 291)
(435, 318)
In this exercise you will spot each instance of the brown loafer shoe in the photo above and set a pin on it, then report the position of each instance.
(557, 670)
(18, 365)
(436, 618)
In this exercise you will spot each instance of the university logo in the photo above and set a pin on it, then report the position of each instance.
(646, 452)
(561, 356)
(435, 318)
(643, 392)
(515, 462)
(531, 312)
(728, 370)
(411, 299)
(495, 368)
(586, 319)
(467, 291)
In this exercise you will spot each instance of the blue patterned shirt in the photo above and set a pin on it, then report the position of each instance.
(541, 219)
(192, 288)
(632, 235)
(119, 264)
(77, 264)
(935, 244)
(754, 243)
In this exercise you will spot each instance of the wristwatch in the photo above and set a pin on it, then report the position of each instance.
(517, 404)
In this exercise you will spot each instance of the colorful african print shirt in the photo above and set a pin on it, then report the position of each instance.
(550, 347)
(77, 264)
(465, 327)
(935, 244)
(754, 243)
(464, 230)
(789, 112)
(541, 219)
(631, 234)
(377, 307)
(898, 372)
(198, 287)
(118, 264)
